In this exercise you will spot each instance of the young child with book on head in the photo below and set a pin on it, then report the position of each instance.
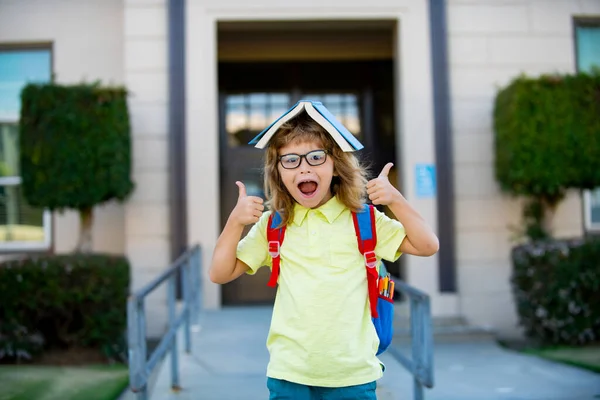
(322, 341)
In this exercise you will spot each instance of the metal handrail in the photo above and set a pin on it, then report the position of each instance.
(140, 365)
(420, 365)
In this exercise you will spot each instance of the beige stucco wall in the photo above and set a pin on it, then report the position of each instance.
(147, 212)
(87, 46)
(490, 43)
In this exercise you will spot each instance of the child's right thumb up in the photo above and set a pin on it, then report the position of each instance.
(242, 189)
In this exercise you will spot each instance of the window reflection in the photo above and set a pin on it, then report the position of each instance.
(248, 114)
(19, 222)
(595, 207)
(9, 150)
(17, 68)
(21, 226)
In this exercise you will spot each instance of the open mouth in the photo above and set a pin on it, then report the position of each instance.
(308, 188)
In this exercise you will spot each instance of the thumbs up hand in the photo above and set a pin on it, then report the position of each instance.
(248, 208)
(380, 190)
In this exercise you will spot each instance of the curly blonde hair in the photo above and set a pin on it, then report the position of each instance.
(349, 182)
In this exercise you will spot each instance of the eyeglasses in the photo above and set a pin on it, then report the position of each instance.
(313, 158)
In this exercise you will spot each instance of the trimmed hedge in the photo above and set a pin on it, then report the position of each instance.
(75, 145)
(75, 300)
(547, 135)
(556, 285)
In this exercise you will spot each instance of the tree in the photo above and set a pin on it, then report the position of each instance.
(75, 149)
(547, 140)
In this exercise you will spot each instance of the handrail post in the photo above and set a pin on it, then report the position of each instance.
(142, 357)
(133, 342)
(428, 344)
(418, 350)
(192, 289)
(174, 350)
(185, 284)
(415, 323)
(197, 267)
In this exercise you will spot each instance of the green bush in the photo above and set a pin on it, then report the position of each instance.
(547, 135)
(75, 300)
(75, 145)
(17, 343)
(556, 285)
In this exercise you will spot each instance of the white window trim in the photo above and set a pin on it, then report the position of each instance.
(16, 246)
(587, 205)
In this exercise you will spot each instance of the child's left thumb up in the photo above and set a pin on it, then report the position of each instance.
(386, 170)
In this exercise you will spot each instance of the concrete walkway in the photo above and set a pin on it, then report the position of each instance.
(229, 359)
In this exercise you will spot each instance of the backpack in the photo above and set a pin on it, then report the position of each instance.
(380, 286)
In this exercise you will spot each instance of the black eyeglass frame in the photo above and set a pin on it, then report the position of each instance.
(305, 156)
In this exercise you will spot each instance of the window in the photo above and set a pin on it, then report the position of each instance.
(588, 57)
(22, 227)
(246, 115)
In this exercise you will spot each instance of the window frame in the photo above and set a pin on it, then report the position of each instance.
(590, 226)
(47, 217)
(589, 22)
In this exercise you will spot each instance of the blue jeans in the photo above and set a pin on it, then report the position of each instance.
(284, 390)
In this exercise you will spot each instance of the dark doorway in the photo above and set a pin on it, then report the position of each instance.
(360, 94)
(265, 68)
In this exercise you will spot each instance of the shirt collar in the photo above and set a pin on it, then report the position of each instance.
(330, 210)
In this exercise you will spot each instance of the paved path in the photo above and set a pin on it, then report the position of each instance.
(229, 359)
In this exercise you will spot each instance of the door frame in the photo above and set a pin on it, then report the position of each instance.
(414, 119)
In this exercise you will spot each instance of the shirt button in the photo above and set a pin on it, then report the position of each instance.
(313, 233)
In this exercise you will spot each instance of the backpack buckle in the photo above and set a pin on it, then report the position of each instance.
(370, 259)
(274, 248)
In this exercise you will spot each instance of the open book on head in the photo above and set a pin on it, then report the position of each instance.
(317, 111)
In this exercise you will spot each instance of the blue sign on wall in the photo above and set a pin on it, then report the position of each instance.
(426, 181)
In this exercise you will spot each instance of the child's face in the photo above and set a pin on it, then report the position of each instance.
(309, 185)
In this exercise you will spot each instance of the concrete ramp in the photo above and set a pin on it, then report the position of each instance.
(229, 360)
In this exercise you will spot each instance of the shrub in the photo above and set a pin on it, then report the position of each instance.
(556, 285)
(547, 140)
(71, 300)
(17, 343)
(75, 148)
(548, 134)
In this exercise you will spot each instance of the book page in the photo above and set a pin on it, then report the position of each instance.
(350, 138)
(339, 139)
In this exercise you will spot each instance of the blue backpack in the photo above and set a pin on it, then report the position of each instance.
(380, 285)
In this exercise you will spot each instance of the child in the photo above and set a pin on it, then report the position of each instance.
(322, 342)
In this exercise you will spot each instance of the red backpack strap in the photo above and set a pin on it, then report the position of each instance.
(366, 235)
(275, 237)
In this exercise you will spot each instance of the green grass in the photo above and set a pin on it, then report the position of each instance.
(62, 383)
(587, 357)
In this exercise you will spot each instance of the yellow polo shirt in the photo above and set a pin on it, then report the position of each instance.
(321, 331)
